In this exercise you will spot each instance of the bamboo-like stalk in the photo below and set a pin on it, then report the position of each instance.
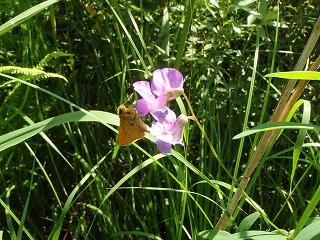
(285, 103)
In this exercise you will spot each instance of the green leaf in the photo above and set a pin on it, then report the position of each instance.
(214, 234)
(301, 136)
(247, 222)
(306, 215)
(311, 231)
(17, 136)
(302, 75)
(246, 2)
(256, 235)
(276, 126)
(263, 7)
(25, 15)
(252, 235)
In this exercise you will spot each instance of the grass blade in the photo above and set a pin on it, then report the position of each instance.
(25, 15)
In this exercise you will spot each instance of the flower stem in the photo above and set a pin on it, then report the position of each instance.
(194, 118)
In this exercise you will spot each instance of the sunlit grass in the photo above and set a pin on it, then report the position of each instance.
(64, 177)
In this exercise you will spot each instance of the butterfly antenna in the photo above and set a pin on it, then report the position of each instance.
(128, 98)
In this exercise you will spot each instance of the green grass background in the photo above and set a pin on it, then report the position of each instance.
(67, 65)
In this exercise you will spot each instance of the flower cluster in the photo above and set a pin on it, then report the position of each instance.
(166, 85)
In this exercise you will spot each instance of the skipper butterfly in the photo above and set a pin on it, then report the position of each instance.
(131, 127)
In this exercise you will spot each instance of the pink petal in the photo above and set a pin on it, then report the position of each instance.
(142, 107)
(163, 146)
(173, 77)
(167, 82)
(143, 88)
(160, 102)
(177, 128)
(164, 116)
(158, 83)
(159, 132)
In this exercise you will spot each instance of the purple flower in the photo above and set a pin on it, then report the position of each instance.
(166, 85)
(164, 116)
(168, 82)
(167, 128)
(149, 102)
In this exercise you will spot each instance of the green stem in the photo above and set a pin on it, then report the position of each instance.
(194, 118)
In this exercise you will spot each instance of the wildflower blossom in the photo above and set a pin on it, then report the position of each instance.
(167, 82)
(166, 85)
(149, 102)
(167, 128)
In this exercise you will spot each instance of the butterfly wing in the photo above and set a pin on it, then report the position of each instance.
(131, 127)
(129, 133)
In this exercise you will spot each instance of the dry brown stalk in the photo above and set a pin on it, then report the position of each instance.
(285, 103)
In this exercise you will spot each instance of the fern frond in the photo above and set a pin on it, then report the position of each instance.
(29, 73)
(51, 56)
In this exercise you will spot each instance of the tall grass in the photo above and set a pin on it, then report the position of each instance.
(64, 177)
